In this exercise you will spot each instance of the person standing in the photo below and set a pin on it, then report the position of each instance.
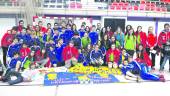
(151, 45)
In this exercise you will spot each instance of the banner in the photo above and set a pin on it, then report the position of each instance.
(63, 78)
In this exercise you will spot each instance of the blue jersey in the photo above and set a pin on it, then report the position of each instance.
(69, 34)
(13, 49)
(126, 68)
(96, 55)
(94, 37)
(59, 51)
(13, 62)
(81, 32)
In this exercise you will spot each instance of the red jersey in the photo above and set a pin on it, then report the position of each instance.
(151, 40)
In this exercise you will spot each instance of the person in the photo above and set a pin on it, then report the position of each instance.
(82, 31)
(85, 41)
(96, 57)
(151, 45)
(123, 56)
(166, 52)
(59, 49)
(77, 40)
(33, 40)
(103, 32)
(142, 71)
(6, 40)
(143, 57)
(74, 28)
(81, 58)
(87, 52)
(56, 36)
(70, 55)
(20, 27)
(37, 30)
(93, 35)
(30, 60)
(126, 70)
(112, 56)
(98, 27)
(141, 37)
(13, 48)
(41, 27)
(130, 45)
(52, 56)
(109, 32)
(114, 41)
(120, 37)
(24, 51)
(105, 42)
(68, 33)
(163, 37)
(47, 36)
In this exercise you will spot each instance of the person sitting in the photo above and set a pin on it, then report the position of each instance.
(112, 57)
(96, 57)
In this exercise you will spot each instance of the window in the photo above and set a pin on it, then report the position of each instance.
(59, 1)
(46, 1)
(53, 1)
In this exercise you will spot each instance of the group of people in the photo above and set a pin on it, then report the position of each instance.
(65, 45)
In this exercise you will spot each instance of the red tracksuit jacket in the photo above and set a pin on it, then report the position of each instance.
(146, 60)
(24, 52)
(69, 52)
(143, 38)
(116, 54)
(151, 40)
(162, 38)
(7, 39)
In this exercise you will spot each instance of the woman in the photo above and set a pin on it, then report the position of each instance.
(85, 41)
(103, 32)
(151, 45)
(7, 40)
(74, 28)
(120, 37)
(87, 29)
(130, 45)
(128, 27)
(109, 32)
(105, 42)
(114, 41)
(141, 37)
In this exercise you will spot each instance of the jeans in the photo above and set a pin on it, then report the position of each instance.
(152, 56)
(8, 77)
(164, 62)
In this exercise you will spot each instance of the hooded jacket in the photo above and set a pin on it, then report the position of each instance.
(69, 52)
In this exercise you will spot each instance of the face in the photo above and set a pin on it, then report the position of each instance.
(24, 46)
(74, 27)
(43, 50)
(48, 26)
(105, 37)
(37, 28)
(14, 32)
(87, 29)
(40, 24)
(167, 27)
(21, 23)
(113, 38)
(118, 30)
(16, 56)
(98, 25)
(89, 46)
(93, 28)
(104, 29)
(56, 32)
(108, 28)
(61, 41)
(68, 27)
(150, 29)
(32, 54)
(96, 47)
(15, 41)
(125, 62)
(140, 47)
(55, 26)
(51, 48)
(9, 31)
(139, 29)
(71, 44)
(128, 27)
(130, 59)
(131, 31)
(113, 47)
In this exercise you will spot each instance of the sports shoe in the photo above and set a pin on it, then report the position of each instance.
(162, 79)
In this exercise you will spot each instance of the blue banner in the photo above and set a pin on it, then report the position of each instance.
(63, 78)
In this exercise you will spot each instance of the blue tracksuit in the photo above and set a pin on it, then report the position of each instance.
(69, 34)
(34, 40)
(55, 38)
(13, 62)
(52, 56)
(82, 59)
(126, 68)
(77, 42)
(12, 49)
(94, 37)
(64, 37)
(46, 38)
(60, 29)
(103, 49)
(81, 32)
(143, 71)
(58, 51)
(96, 55)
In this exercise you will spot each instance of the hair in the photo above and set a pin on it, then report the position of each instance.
(39, 22)
(88, 28)
(74, 25)
(127, 31)
(48, 24)
(166, 24)
(55, 24)
(141, 52)
(20, 21)
(120, 30)
(138, 28)
(133, 34)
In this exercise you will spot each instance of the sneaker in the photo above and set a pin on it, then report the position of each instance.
(161, 76)
(162, 79)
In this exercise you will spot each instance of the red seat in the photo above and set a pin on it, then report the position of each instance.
(135, 7)
(126, 4)
(164, 9)
(115, 3)
(158, 9)
(112, 7)
(124, 7)
(118, 7)
(130, 7)
(153, 8)
(142, 6)
(121, 3)
(79, 5)
(147, 8)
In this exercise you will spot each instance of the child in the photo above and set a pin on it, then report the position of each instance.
(56, 36)
(52, 56)
(59, 49)
(68, 33)
(70, 54)
(47, 36)
(85, 40)
(112, 57)
(96, 57)
(123, 56)
(77, 40)
(24, 51)
(82, 31)
(93, 35)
